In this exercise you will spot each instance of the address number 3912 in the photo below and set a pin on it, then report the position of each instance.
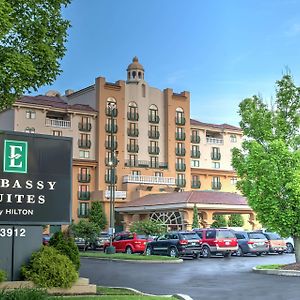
(9, 232)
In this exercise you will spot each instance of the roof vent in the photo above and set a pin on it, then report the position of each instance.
(53, 93)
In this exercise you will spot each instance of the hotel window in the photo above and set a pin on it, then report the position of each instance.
(216, 165)
(154, 162)
(135, 173)
(179, 116)
(195, 163)
(133, 160)
(30, 114)
(233, 138)
(57, 133)
(84, 154)
(233, 180)
(83, 209)
(29, 130)
(158, 174)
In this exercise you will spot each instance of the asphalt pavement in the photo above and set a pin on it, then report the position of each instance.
(214, 278)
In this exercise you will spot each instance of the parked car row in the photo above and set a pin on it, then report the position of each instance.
(97, 243)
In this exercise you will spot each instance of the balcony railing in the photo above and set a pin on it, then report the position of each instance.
(110, 161)
(181, 182)
(196, 184)
(153, 134)
(180, 120)
(133, 148)
(111, 112)
(153, 150)
(216, 185)
(111, 145)
(180, 136)
(86, 144)
(58, 123)
(108, 179)
(153, 119)
(211, 140)
(83, 213)
(132, 132)
(85, 127)
(84, 178)
(132, 116)
(141, 179)
(180, 167)
(180, 151)
(215, 155)
(195, 154)
(195, 139)
(144, 164)
(111, 128)
(83, 195)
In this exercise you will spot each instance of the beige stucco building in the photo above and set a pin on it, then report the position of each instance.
(139, 137)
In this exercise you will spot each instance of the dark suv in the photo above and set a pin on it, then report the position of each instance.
(174, 244)
(217, 241)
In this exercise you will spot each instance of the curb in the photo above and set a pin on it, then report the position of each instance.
(137, 261)
(277, 272)
(177, 296)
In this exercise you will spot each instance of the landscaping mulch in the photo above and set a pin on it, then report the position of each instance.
(294, 267)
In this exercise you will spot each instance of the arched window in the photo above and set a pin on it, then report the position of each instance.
(111, 107)
(179, 117)
(153, 114)
(140, 75)
(132, 113)
(143, 90)
(133, 74)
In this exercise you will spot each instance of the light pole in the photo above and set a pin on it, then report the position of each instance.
(112, 164)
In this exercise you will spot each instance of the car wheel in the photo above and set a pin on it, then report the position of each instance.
(148, 251)
(280, 253)
(289, 248)
(128, 250)
(196, 255)
(173, 252)
(206, 252)
(258, 253)
(239, 252)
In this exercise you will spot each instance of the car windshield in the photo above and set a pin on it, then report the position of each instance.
(258, 236)
(225, 234)
(274, 236)
(190, 236)
(141, 236)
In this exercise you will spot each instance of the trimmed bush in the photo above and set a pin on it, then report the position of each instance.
(2, 276)
(49, 268)
(23, 294)
(66, 246)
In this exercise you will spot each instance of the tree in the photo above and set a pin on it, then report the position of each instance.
(195, 217)
(268, 165)
(148, 227)
(97, 215)
(32, 38)
(86, 230)
(219, 221)
(235, 220)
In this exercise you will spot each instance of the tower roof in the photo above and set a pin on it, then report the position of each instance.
(135, 65)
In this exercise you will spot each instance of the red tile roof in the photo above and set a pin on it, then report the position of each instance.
(56, 102)
(194, 197)
(221, 126)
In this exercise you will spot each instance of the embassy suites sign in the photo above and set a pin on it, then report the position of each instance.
(35, 179)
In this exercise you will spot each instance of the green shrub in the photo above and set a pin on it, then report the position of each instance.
(66, 246)
(49, 268)
(23, 294)
(2, 276)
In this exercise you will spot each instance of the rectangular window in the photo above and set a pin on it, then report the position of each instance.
(216, 165)
(30, 130)
(233, 180)
(233, 138)
(83, 209)
(84, 154)
(83, 188)
(57, 133)
(30, 114)
(158, 174)
(135, 172)
(153, 162)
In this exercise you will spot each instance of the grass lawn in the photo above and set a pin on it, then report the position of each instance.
(126, 256)
(269, 267)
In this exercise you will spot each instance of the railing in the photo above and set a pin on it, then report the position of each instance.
(153, 119)
(111, 112)
(111, 145)
(196, 184)
(108, 179)
(153, 150)
(195, 139)
(195, 154)
(211, 140)
(86, 144)
(180, 151)
(83, 195)
(84, 177)
(180, 120)
(215, 155)
(144, 164)
(133, 148)
(112, 128)
(181, 182)
(83, 213)
(180, 167)
(142, 179)
(153, 134)
(85, 126)
(58, 123)
(216, 185)
(132, 132)
(132, 116)
(111, 161)
(180, 136)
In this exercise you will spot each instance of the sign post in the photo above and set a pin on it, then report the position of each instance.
(35, 190)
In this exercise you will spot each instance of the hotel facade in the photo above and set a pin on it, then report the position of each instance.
(140, 144)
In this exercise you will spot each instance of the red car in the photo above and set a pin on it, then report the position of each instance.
(128, 242)
(217, 241)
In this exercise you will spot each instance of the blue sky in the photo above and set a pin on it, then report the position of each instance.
(222, 51)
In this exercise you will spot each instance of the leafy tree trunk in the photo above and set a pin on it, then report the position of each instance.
(297, 248)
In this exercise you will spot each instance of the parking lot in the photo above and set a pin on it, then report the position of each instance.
(213, 278)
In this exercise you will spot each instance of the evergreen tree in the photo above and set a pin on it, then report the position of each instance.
(219, 221)
(236, 220)
(97, 215)
(195, 217)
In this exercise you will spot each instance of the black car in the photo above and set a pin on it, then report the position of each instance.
(175, 244)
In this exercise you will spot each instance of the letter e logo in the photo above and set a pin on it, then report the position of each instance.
(15, 156)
